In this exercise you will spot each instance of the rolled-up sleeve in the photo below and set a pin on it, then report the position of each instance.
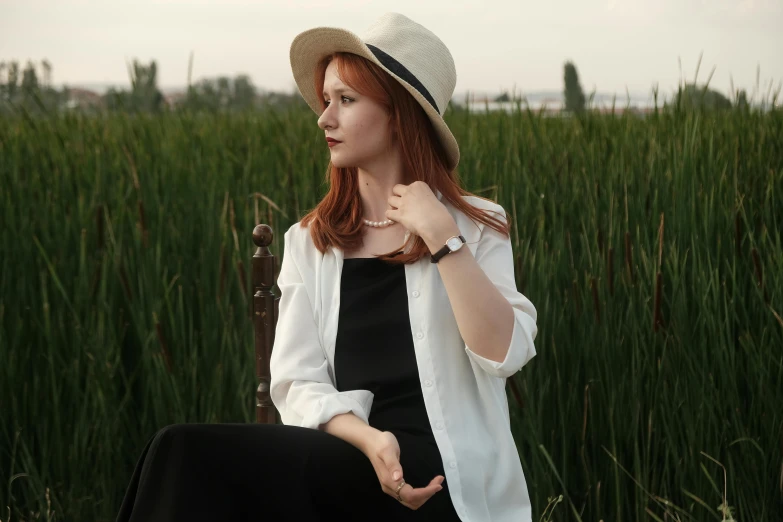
(301, 387)
(494, 255)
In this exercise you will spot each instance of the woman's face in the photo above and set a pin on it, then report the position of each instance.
(359, 123)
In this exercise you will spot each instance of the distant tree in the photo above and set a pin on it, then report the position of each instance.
(692, 96)
(222, 93)
(12, 81)
(145, 95)
(742, 100)
(23, 88)
(282, 100)
(244, 93)
(3, 67)
(574, 95)
(503, 98)
(47, 71)
(29, 79)
(203, 95)
(118, 100)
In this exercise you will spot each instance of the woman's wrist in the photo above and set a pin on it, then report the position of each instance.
(353, 430)
(369, 438)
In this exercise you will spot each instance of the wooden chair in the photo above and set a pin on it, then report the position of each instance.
(265, 311)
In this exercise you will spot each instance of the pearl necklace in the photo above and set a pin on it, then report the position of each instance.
(378, 224)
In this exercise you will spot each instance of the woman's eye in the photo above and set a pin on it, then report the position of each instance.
(341, 97)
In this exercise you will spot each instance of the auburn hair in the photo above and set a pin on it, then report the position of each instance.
(337, 219)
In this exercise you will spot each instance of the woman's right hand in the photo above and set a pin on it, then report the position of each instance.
(384, 453)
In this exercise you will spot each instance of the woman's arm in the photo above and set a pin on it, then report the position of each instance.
(383, 450)
(301, 387)
(352, 429)
(496, 321)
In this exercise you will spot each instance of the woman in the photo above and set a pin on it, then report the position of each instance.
(393, 340)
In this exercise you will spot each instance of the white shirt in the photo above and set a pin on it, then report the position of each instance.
(464, 393)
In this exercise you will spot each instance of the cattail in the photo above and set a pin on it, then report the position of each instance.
(758, 267)
(575, 294)
(242, 277)
(610, 269)
(95, 280)
(232, 223)
(125, 284)
(515, 392)
(570, 250)
(222, 271)
(657, 306)
(585, 407)
(134, 173)
(660, 242)
(519, 273)
(601, 241)
(142, 223)
(99, 225)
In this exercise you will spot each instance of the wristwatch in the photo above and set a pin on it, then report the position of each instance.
(452, 245)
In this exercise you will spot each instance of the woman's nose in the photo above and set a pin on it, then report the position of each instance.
(325, 119)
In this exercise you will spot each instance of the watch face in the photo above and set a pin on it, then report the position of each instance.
(454, 243)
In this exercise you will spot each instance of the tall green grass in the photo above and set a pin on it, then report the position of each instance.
(651, 248)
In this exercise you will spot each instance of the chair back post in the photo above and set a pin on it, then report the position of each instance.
(265, 308)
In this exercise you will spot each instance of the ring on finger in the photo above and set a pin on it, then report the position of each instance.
(398, 490)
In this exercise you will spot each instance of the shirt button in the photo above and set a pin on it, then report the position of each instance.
(439, 425)
(420, 335)
(453, 465)
(428, 383)
(415, 293)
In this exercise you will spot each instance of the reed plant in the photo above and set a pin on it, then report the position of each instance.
(651, 248)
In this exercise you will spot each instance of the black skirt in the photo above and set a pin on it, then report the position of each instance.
(238, 472)
(273, 472)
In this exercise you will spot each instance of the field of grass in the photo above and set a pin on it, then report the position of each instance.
(652, 249)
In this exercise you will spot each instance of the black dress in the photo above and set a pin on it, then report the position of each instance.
(244, 472)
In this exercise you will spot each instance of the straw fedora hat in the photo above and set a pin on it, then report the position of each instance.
(409, 52)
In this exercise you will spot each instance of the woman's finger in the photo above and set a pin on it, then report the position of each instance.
(415, 497)
(393, 466)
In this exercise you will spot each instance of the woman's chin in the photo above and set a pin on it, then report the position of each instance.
(338, 162)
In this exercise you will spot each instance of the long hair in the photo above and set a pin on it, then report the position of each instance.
(337, 219)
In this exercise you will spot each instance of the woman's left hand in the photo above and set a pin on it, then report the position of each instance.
(383, 451)
(418, 209)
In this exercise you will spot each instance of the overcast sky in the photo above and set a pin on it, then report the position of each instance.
(496, 44)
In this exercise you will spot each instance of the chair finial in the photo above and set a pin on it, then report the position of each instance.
(262, 236)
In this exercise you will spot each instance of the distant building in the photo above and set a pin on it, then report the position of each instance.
(545, 105)
(174, 99)
(552, 105)
(83, 98)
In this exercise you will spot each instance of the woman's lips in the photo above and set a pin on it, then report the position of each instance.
(333, 143)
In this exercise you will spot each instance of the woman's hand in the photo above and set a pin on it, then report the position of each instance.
(418, 209)
(384, 453)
